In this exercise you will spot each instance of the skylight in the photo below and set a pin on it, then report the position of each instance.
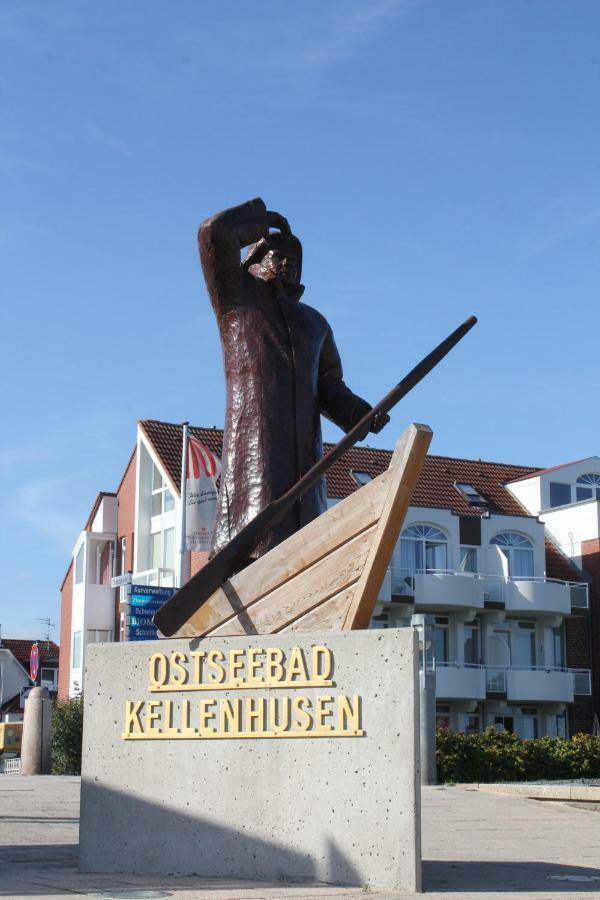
(361, 478)
(469, 494)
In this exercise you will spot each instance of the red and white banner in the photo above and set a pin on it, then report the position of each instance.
(203, 469)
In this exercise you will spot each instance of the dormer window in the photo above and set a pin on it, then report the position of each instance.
(468, 493)
(587, 487)
(361, 478)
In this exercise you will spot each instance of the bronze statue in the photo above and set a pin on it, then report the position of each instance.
(282, 370)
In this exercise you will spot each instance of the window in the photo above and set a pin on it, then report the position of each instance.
(472, 643)
(49, 678)
(518, 552)
(98, 636)
(79, 566)
(76, 655)
(162, 498)
(504, 723)
(441, 636)
(527, 723)
(361, 478)
(423, 548)
(558, 647)
(163, 549)
(561, 725)
(442, 715)
(469, 494)
(560, 494)
(525, 654)
(468, 559)
(472, 724)
(587, 487)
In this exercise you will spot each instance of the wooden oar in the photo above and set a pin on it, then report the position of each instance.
(181, 606)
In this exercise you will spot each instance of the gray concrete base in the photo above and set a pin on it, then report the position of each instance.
(476, 846)
(309, 808)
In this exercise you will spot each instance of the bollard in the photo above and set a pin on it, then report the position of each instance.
(37, 734)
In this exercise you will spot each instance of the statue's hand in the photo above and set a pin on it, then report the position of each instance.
(379, 422)
(275, 220)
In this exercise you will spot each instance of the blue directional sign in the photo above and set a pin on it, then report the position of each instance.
(144, 600)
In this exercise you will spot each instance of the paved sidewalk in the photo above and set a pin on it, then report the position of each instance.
(475, 845)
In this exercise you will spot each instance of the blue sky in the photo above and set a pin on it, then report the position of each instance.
(437, 159)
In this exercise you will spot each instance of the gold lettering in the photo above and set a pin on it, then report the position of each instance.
(133, 724)
(322, 663)
(169, 729)
(254, 664)
(152, 715)
(197, 656)
(255, 712)
(275, 704)
(275, 658)
(305, 720)
(179, 675)
(321, 714)
(207, 712)
(159, 670)
(229, 714)
(217, 676)
(297, 666)
(348, 713)
(235, 664)
(186, 726)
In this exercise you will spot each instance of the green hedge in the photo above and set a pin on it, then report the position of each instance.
(500, 756)
(67, 731)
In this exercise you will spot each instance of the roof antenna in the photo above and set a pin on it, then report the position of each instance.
(49, 624)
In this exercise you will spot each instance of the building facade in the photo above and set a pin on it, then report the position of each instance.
(509, 601)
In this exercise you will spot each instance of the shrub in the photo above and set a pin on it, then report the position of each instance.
(500, 756)
(67, 728)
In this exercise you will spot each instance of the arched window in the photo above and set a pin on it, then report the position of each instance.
(518, 551)
(587, 487)
(423, 548)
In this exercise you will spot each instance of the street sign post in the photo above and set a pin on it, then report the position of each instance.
(120, 580)
(34, 662)
(143, 601)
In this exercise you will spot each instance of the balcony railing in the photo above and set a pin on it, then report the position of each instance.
(504, 679)
(155, 577)
(521, 593)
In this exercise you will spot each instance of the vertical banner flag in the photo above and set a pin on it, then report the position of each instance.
(203, 469)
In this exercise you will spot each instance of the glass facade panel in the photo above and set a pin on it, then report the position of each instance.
(441, 643)
(525, 645)
(76, 657)
(155, 558)
(560, 494)
(558, 647)
(472, 644)
(468, 559)
(169, 548)
(157, 504)
(79, 566)
(169, 501)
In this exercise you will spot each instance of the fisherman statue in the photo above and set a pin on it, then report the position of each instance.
(282, 370)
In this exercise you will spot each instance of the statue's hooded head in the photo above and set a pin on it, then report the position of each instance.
(277, 258)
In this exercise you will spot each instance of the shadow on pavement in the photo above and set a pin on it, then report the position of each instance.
(512, 877)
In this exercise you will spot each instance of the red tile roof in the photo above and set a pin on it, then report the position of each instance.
(435, 487)
(21, 650)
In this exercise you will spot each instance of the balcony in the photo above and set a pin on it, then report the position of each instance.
(442, 589)
(537, 684)
(535, 596)
(460, 681)
(155, 577)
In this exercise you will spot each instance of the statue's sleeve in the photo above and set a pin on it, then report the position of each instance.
(336, 400)
(220, 239)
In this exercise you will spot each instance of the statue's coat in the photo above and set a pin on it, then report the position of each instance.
(282, 370)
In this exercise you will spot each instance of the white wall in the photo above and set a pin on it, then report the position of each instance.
(14, 676)
(105, 519)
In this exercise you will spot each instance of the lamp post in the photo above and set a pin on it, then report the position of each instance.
(424, 625)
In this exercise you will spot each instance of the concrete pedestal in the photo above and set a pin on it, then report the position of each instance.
(36, 746)
(290, 757)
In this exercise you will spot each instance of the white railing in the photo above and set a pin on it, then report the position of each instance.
(10, 766)
(496, 676)
(495, 586)
(155, 577)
